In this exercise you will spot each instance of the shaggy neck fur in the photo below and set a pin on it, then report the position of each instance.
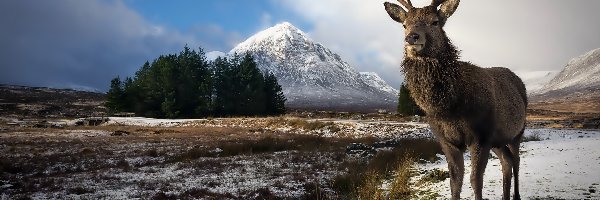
(435, 82)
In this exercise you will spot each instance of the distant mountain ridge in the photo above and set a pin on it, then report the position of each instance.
(575, 89)
(582, 72)
(314, 77)
(536, 80)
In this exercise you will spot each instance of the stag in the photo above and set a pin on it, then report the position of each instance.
(468, 107)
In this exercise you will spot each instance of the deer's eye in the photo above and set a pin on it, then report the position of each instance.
(404, 26)
(435, 23)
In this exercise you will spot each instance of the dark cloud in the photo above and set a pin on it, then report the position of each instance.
(73, 43)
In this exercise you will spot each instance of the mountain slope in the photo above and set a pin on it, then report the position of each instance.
(374, 80)
(312, 76)
(535, 81)
(575, 89)
(580, 73)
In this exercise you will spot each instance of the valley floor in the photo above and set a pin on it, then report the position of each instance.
(258, 158)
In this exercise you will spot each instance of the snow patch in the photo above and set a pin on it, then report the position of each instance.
(148, 122)
(565, 165)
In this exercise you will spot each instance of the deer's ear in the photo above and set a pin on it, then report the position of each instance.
(395, 11)
(448, 7)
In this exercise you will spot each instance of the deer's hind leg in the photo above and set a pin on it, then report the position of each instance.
(514, 150)
(506, 161)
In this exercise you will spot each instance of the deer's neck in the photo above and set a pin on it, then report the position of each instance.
(435, 83)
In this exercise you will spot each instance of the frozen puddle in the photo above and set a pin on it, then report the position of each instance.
(565, 165)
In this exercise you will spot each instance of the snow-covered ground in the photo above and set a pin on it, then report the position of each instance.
(148, 122)
(564, 165)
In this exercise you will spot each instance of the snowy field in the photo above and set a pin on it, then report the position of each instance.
(564, 165)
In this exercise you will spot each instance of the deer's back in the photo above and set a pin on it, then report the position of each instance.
(509, 98)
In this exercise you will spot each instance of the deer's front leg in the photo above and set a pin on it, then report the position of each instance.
(456, 166)
(479, 159)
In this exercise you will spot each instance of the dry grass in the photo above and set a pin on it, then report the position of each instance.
(303, 124)
(574, 106)
(371, 188)
(434, 176)
(400, 187)
(364, 179)
(47, 160)
(532, 137)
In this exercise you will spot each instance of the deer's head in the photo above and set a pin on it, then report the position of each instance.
(424, 36)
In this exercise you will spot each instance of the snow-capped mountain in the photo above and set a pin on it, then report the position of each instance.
(312, 76)
(581, 73)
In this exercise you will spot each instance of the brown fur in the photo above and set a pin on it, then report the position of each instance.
(468, 107)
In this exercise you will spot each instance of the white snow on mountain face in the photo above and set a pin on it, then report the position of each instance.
(311, 75)
(580, 73)
(374, 80)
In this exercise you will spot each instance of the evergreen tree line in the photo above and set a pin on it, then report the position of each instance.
(406, 103)
(186, 85)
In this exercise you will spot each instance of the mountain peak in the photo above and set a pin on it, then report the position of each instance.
(286, 25)
(311, 75)
(281, 35)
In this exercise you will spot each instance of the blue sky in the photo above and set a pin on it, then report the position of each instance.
(85, 43)
(240, 18)
(243, 17)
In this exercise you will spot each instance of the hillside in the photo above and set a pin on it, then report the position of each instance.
(43, 102)
(575, 89)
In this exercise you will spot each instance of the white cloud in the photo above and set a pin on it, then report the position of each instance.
(266, 21)
(525, 36)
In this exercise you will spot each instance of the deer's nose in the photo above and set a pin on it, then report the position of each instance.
(412, 38)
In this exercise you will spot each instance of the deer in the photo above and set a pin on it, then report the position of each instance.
(468, 107)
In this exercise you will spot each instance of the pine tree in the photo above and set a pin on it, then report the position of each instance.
(169, 106)
(193, 85)
(148, 93)
(275, 102)
(130, 95)
(224, 91)
(186, 85)
(406, 103)
(166, 73)
(252, 96)
(115, 96)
